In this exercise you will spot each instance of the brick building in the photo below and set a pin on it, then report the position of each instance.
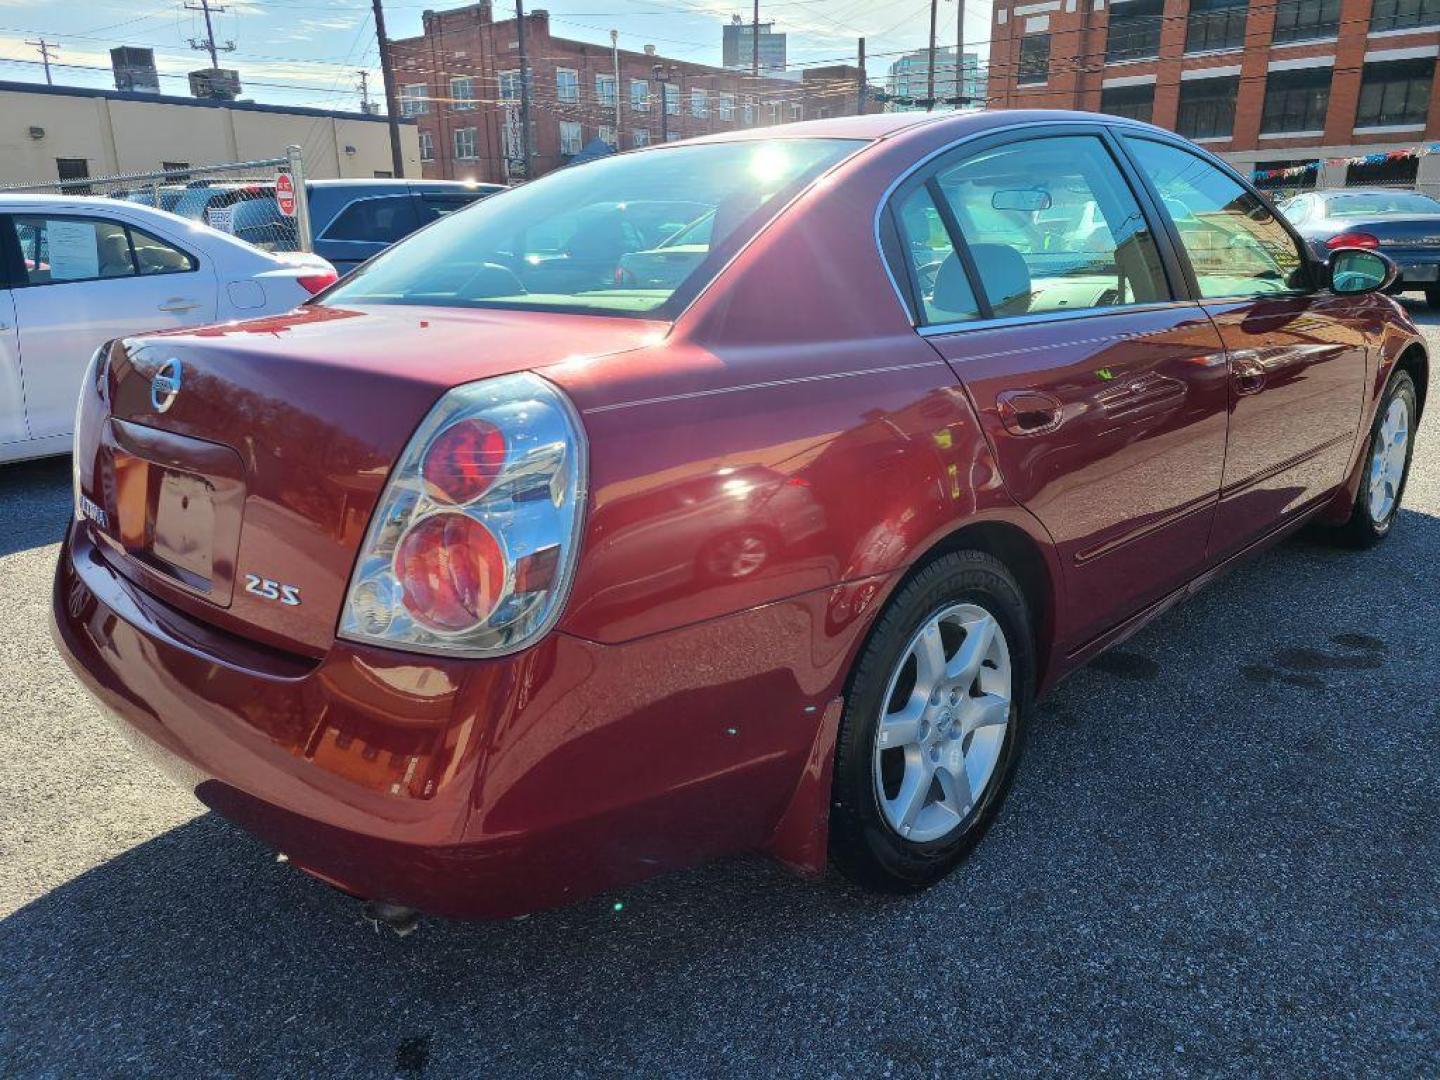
(1267, 84)
(460, 81)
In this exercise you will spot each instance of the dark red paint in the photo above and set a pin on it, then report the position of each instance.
(682, 708)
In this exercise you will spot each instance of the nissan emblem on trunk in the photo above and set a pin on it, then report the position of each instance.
(165, 386)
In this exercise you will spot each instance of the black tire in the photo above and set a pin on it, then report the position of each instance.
(1362, 530)
(863, 845)
(1432, 296)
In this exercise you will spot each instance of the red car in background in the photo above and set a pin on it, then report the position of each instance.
(494, 577)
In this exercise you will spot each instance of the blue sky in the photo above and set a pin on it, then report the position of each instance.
(307, 52)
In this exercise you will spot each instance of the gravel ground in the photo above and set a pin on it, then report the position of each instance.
(1222, 856)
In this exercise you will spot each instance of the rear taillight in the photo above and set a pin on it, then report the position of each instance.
(1352, 240)
(472, 547)
(314, 283)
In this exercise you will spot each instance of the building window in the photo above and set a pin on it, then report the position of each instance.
(725, 106)
(1392, 172)
(747, 114)
(567, 85)
(1305, 20)
(569, 138)
(1282, 186)
(1395, 93)
(1134, 30)
(699, 104)
(672, 136)
(427, 146)
(639, 95)
(1216, 24)
(414, 99)
(465, 144)
(605, 90)
(774, 112)
(1034, 59)
(1404, 14)
(672, 99)
(462, 92)
(640, 137)
(797, 112)
(510, 85)
(73, 168)
(1131, 102)
(1296, 100)
(608, 137)
(1207, 108)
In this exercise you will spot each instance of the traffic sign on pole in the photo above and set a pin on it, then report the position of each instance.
(285, 194)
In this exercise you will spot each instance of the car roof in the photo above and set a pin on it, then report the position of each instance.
(414, 185)
(75, 202)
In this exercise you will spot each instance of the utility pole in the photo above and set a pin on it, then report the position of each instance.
(392, 107)
(961, 98)
(207, 43)
(524, 85)
(860, 101)
(364, 89)
(930, 73)
(45, 47)
(755, 42)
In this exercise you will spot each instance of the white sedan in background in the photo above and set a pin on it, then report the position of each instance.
(77, 271)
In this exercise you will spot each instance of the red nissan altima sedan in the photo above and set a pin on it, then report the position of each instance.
(736, 494)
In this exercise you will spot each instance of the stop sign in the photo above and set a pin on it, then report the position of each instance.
(285, 194)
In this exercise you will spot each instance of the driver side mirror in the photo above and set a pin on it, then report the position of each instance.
(1358, 270)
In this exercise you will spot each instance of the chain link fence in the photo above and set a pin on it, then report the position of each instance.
(238, 197)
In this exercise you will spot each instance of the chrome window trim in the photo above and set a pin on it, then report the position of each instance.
(889, 192)
(942, 329)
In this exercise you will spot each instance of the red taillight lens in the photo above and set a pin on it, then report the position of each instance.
(451, 572)
(1352, 240)
(313, 283)
(464, 461)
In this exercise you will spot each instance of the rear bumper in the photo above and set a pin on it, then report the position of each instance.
(477, 789)
(1418, 269)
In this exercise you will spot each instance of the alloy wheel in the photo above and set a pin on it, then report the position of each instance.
(943, 725)
(1387, 460)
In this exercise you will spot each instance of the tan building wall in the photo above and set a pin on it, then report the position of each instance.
(119, 133)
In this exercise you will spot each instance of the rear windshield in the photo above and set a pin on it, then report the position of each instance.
(604, 237)
(1371, 203)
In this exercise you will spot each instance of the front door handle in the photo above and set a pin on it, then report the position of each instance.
(1248, 372)
(1029, 412)
(179, 304)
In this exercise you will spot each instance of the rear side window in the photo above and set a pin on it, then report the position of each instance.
(1051, 225)
(57, 249)
(382, 220)
(936, 273)
(437, 206)
(1236, 246)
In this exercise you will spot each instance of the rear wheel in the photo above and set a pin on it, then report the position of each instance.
(1387, 466)
(933, 724)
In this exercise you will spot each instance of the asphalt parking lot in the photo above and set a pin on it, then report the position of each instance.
(1222, 856)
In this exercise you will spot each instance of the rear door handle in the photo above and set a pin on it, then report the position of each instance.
(1029, 412)
(179, 304)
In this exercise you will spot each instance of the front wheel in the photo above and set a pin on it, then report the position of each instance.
(1387, 466)
(933, 724)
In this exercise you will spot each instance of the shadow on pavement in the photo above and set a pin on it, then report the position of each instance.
(38, 503)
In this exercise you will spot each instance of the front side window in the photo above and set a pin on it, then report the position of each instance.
(1034, 59)
(462, 93)
(1236, 246)
(1131, 102)
(465, 144)
(1207, 108)
(384, 219)
(1306, 20)
(1296, 100)
(567, 85)
(1404, 14)
(586, 240)
(1051, 225)
(66, 249)
(1394, 93)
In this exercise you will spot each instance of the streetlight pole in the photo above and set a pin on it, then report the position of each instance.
(930, 68)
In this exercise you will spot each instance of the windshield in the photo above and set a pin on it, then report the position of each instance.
(561, 243)
(1371, 203)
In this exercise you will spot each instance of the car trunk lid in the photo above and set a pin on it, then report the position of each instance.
(240, 489)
